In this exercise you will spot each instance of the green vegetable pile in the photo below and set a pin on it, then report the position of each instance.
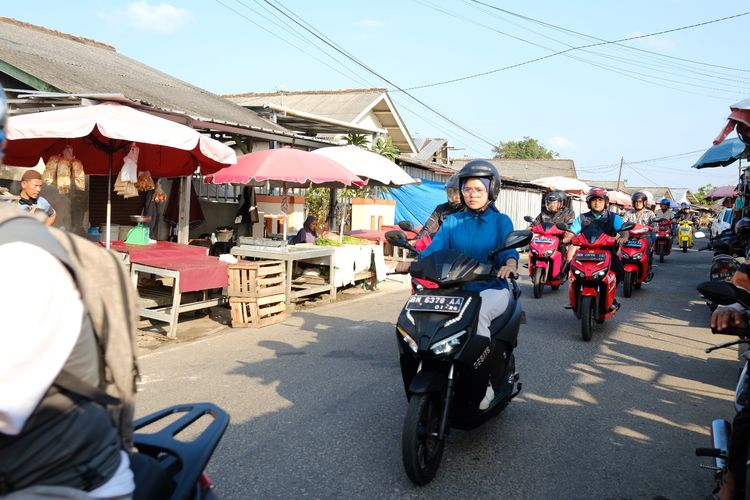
(347, 240)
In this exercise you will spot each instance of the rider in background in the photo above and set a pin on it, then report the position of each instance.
(596, 221)
(555, 209)
(443, 210)
(639, 214)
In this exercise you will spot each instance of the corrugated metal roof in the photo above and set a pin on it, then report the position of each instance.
(526, 170)
(430, 147)
(77, 65)
(344, 105)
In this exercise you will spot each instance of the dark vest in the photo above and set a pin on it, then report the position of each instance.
(70, 439)
(592, 227)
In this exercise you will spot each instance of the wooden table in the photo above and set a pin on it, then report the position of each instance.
(290, 254)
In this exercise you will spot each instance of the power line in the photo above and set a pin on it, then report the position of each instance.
(548, 56)
(317, 34)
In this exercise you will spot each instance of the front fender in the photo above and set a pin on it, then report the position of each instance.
(589, 292)
(427, 382)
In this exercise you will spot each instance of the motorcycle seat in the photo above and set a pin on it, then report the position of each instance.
(498, 323)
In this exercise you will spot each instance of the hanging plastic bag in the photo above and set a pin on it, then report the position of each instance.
(50, 170)
(79, 176)
(145, 182)
(129, 171)
(159, 195)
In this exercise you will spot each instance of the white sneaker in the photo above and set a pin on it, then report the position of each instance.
(488, 397)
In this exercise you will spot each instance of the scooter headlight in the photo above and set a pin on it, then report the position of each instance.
(599, 274)
(445, 346)
(549, 253)
(636, 256)
(578, 272)
(407, 338)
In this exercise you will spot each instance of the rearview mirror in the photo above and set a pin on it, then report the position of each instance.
(514, 239)
(406, 225)
(659, 219)
(562, 226)
(528, 218)
(397, 239)
(627, 226)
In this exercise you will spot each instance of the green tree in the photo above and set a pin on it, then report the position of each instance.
(360, 140)
(386, 148)
(526, 149)
(702, 192)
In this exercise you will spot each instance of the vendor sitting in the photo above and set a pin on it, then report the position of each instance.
(309, 231)
(31, 186)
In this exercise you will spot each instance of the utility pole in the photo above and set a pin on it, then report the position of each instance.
(619, 174)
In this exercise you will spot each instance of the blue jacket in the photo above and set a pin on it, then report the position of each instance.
(476, 235)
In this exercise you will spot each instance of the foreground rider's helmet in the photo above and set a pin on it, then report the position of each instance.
(597, 192)
(555, 196)
(639, 196)
(481, 168)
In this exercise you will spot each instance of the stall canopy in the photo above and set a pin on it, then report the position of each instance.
(103, 132)
(378, 170)
(101, 136)
(286, 167)
(721, 192)
(619, 198)
(739, 119)
(723, 154)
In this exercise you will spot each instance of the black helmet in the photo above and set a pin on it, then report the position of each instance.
(557, 195)
(451, 189)
(452, 182)
(481, 168)
(639, 196)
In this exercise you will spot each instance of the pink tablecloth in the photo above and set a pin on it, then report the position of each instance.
(198, 271)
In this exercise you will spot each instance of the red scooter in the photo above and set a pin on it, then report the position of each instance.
(593, 283)
(634, 256)
(545, 257)
(663, 242)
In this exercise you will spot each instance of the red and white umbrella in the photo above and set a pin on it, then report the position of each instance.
(377, 169)
(620, 198)
(100, 136)
(567, 184)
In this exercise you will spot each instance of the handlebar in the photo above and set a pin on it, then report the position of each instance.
(726, 344)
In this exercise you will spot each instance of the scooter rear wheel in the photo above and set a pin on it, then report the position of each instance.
(421, 449)
(538, 285)
(588, 317)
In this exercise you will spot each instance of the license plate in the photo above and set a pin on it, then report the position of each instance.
(633, 243)
(721, 276)
(592, 256)
(543, 239)
(435, 303)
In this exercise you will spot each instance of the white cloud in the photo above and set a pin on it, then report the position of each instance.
(561, 143)
(369, 23)
(163, 17)
(660, 42)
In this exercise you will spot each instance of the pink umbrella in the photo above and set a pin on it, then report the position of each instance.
(721, 192)
(286, 167)
(567, 184)
(100, 136)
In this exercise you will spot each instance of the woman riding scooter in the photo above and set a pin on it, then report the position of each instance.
(475, 232)
(640, 214)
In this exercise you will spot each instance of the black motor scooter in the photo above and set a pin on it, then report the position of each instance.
(724, 293)
(172, 466)
(445, 365)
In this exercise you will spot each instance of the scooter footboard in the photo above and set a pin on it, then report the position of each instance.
(185, 460)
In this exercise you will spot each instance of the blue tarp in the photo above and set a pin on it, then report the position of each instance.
(415, 203)
(723, 154)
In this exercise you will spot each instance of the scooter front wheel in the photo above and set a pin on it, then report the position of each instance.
(588, 316)
(421, 448)
(684, 246)
(538, 285)
(627, 284)
(661, 257)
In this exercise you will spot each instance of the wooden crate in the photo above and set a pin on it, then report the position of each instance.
(257, 312)
(251, 279)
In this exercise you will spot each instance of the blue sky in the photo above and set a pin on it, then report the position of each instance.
(593, 105)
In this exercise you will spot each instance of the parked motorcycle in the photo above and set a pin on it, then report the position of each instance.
(445, 365)
(634, 255)
(593, 283)
(721, 430)
(663, 242)
(169, 466)
(546, 259)
(685, 235)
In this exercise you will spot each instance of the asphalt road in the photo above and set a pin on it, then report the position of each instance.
(317, 401)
